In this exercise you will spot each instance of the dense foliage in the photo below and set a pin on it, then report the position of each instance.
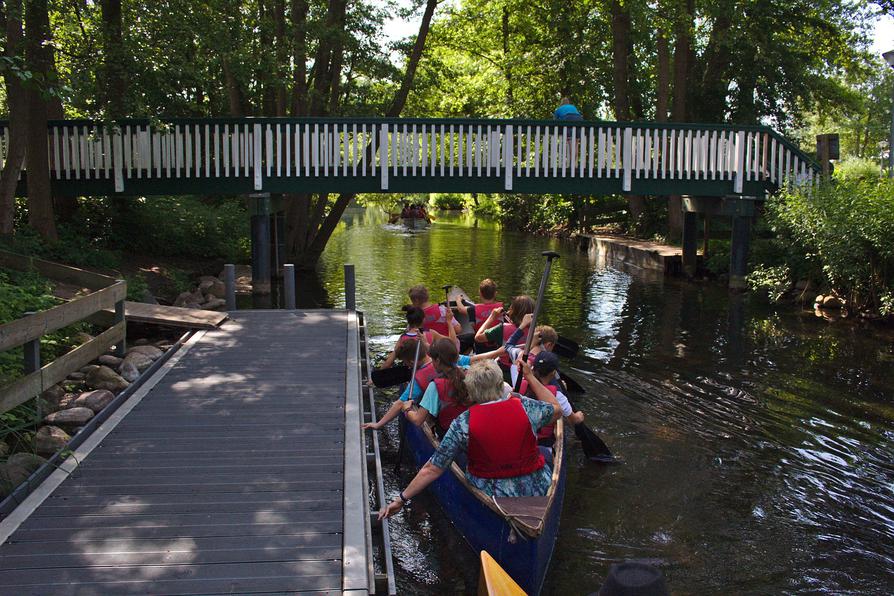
(27, 292)
(840, 234)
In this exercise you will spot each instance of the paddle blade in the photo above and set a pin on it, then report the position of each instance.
(566, 348)
(389, 377)
(494, 581)
(594, 447)
(571, 385)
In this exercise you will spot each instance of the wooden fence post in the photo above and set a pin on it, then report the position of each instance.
(31, 350)
(121, 346)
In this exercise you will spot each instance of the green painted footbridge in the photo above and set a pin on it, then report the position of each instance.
(277, 155)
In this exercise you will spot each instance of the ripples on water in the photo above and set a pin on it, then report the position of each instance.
(757, 444)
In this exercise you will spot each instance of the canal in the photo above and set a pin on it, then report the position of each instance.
(757, 442)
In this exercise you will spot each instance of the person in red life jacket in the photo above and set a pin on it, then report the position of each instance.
(498, 436)
(415, 317)
(446, 397)
(440, 399)
(497, 332)
(487, 290)
(546, 369)
(425, 374)
(542, 343)
(545, 338)
(435, 314)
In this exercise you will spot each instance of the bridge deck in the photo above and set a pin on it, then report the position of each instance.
(228, 474)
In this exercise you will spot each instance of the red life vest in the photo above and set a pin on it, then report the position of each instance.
(501, 444)
(450, 408)
(482, 311)
(425, 374)
(508, 330)
(550, 429)
(405, 336)
(434, 320)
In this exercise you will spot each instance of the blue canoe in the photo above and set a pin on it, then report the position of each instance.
(519, 532)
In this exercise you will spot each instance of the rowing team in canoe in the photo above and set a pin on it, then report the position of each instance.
(410, 212)
(502, 436)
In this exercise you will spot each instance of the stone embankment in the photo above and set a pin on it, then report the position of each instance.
(209, 294)
(70, 405)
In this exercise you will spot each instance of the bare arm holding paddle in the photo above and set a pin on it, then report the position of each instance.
(542, 393)
(494, 316)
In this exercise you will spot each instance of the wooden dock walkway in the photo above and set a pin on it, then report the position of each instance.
(237, 468)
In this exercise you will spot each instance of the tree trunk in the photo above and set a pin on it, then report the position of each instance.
(682, 52)
(299, 57)
(282, 56)
(323, 59)
(305, 249)
(507, 63)
(338, 57)
(400, 98)
(114, 69)
(620, 66)
(663, 90)
(235, 98)
(40, 199)
(712, 97)
(17, 102)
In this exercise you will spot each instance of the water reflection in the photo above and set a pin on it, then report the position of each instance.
(758, 444)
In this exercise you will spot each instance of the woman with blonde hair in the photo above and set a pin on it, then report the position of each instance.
(498, 435)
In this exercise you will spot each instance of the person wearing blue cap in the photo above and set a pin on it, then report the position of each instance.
(546, 369)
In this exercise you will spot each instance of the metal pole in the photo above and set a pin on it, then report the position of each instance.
(230, 284)
(350, 288)
(288, 278)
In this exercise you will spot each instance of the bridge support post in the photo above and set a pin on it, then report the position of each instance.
(738, 254)
(690, 243)
(260, 243)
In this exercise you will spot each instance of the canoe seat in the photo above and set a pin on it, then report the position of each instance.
(527, 511)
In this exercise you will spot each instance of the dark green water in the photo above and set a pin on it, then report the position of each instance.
(758, 443)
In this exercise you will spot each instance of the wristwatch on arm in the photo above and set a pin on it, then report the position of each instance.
(404, 500)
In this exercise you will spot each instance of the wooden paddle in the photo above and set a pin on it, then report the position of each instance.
(594, 448)
(550, 255)
(403, 421)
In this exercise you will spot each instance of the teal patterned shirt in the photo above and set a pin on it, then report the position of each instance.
(535, 484)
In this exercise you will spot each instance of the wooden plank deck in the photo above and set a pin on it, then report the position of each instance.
(159, 314)
(226, 473)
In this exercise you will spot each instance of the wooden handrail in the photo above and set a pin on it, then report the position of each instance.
(108, 293)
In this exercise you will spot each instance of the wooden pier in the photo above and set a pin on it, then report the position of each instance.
(238, 467)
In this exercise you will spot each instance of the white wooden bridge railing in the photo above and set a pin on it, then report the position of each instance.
(370, 150)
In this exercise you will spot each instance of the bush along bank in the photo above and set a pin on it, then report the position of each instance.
(834, 245)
